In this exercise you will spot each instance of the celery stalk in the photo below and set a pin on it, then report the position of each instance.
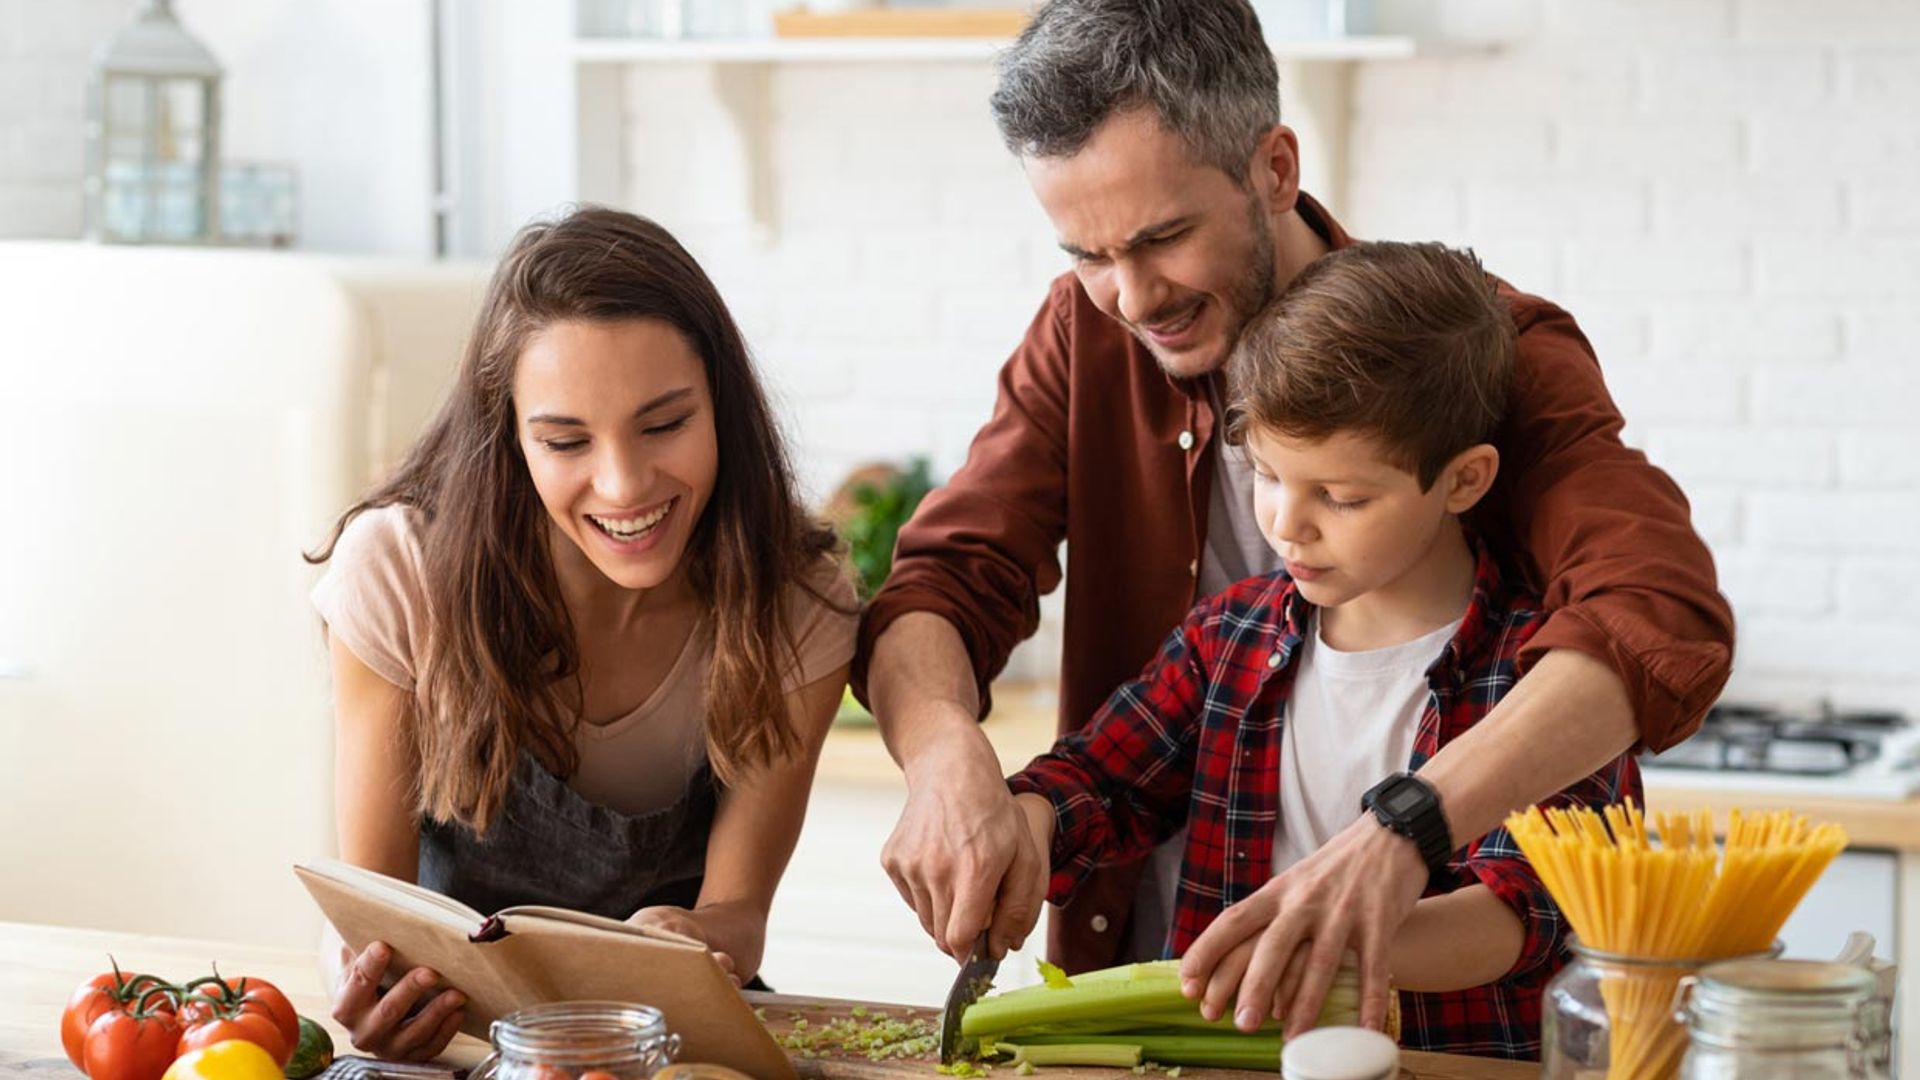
(1135, 1010)
(1117, 1055)
(1226, 1051)
(1085, 1000)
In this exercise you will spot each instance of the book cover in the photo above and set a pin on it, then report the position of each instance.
(521, 956)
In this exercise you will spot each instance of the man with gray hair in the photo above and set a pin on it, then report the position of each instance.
(1150, 132)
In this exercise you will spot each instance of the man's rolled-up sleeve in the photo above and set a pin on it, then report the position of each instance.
(1625, 577)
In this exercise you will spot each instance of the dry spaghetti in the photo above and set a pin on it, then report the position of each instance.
(1677, 900)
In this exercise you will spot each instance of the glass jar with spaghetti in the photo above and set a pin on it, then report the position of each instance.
(1607, 1014)
(578, 1040)
(1782, 1020)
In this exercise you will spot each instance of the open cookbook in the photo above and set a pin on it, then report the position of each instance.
(527, 955)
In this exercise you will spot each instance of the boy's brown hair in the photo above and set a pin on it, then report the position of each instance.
(1406, 343)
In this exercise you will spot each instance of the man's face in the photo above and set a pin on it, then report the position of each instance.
(1172, 248)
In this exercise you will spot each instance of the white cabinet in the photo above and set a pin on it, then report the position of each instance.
(1860, 891)
(180, 425)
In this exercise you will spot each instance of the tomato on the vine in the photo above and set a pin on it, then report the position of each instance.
(113, 991)
(218, 1022)
(132, 1045)
(254, 995)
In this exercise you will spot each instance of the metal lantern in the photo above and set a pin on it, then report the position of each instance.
(153, 135)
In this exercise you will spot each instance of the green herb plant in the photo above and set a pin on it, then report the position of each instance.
(879, 509)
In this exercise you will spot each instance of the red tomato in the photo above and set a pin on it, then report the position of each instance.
(130, 1046)
(598, 1074)
(236, 1022)
(256, 995)
(111, 992)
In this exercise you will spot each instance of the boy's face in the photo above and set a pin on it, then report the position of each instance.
(1347, 522)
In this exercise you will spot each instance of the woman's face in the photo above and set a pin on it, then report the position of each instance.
(615, 420)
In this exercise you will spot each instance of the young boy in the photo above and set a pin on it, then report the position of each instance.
(1364, 398)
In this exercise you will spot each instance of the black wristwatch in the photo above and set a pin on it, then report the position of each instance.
(1408, 805)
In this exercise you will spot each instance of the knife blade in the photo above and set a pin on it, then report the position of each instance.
(975, 979)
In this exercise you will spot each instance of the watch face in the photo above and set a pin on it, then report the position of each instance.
(1404, 799)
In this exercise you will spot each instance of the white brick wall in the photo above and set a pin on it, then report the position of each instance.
(1736, 221)
(1721, 190)
(44, 49)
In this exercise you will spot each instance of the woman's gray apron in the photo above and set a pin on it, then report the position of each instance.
(549, 845)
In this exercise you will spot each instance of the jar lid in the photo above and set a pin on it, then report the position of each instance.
(572, 1032)
(1799, 979)
(1340, 1053)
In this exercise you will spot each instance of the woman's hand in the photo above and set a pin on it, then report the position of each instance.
(677, 920)
(413, 1020)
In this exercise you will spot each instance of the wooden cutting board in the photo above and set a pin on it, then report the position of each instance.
(781, 1009)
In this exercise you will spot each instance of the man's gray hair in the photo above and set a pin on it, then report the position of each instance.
(1201, 65)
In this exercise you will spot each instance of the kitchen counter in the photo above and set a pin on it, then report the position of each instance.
(40, 966)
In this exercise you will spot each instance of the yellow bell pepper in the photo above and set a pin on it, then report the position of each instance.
(231, 1059)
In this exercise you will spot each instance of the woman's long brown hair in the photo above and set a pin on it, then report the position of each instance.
(502, 672)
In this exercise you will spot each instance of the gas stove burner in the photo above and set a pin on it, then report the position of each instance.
(1819, 741)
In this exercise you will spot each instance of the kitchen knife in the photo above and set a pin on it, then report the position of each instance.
(975, 979)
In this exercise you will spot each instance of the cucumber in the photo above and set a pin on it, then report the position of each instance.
(313, 1054)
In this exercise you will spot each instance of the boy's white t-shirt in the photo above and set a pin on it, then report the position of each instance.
(1351, 720)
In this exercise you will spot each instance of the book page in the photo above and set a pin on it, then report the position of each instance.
(598, 922)
(401, 894)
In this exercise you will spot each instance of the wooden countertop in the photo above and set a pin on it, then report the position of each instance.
(1414, 1065)
(40, 966)
(1022, 725)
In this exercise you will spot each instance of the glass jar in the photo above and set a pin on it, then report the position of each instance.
(578, 1040)
(1607, 1014)
(1782, 1020)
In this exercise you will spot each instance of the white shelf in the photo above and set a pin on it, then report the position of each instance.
(770, 50)
(1317, 75)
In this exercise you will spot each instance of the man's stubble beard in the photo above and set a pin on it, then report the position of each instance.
(1250, 292)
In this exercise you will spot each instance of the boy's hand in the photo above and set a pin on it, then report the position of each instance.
(1276, 952)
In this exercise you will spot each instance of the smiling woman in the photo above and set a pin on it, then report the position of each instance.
(586, 642)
